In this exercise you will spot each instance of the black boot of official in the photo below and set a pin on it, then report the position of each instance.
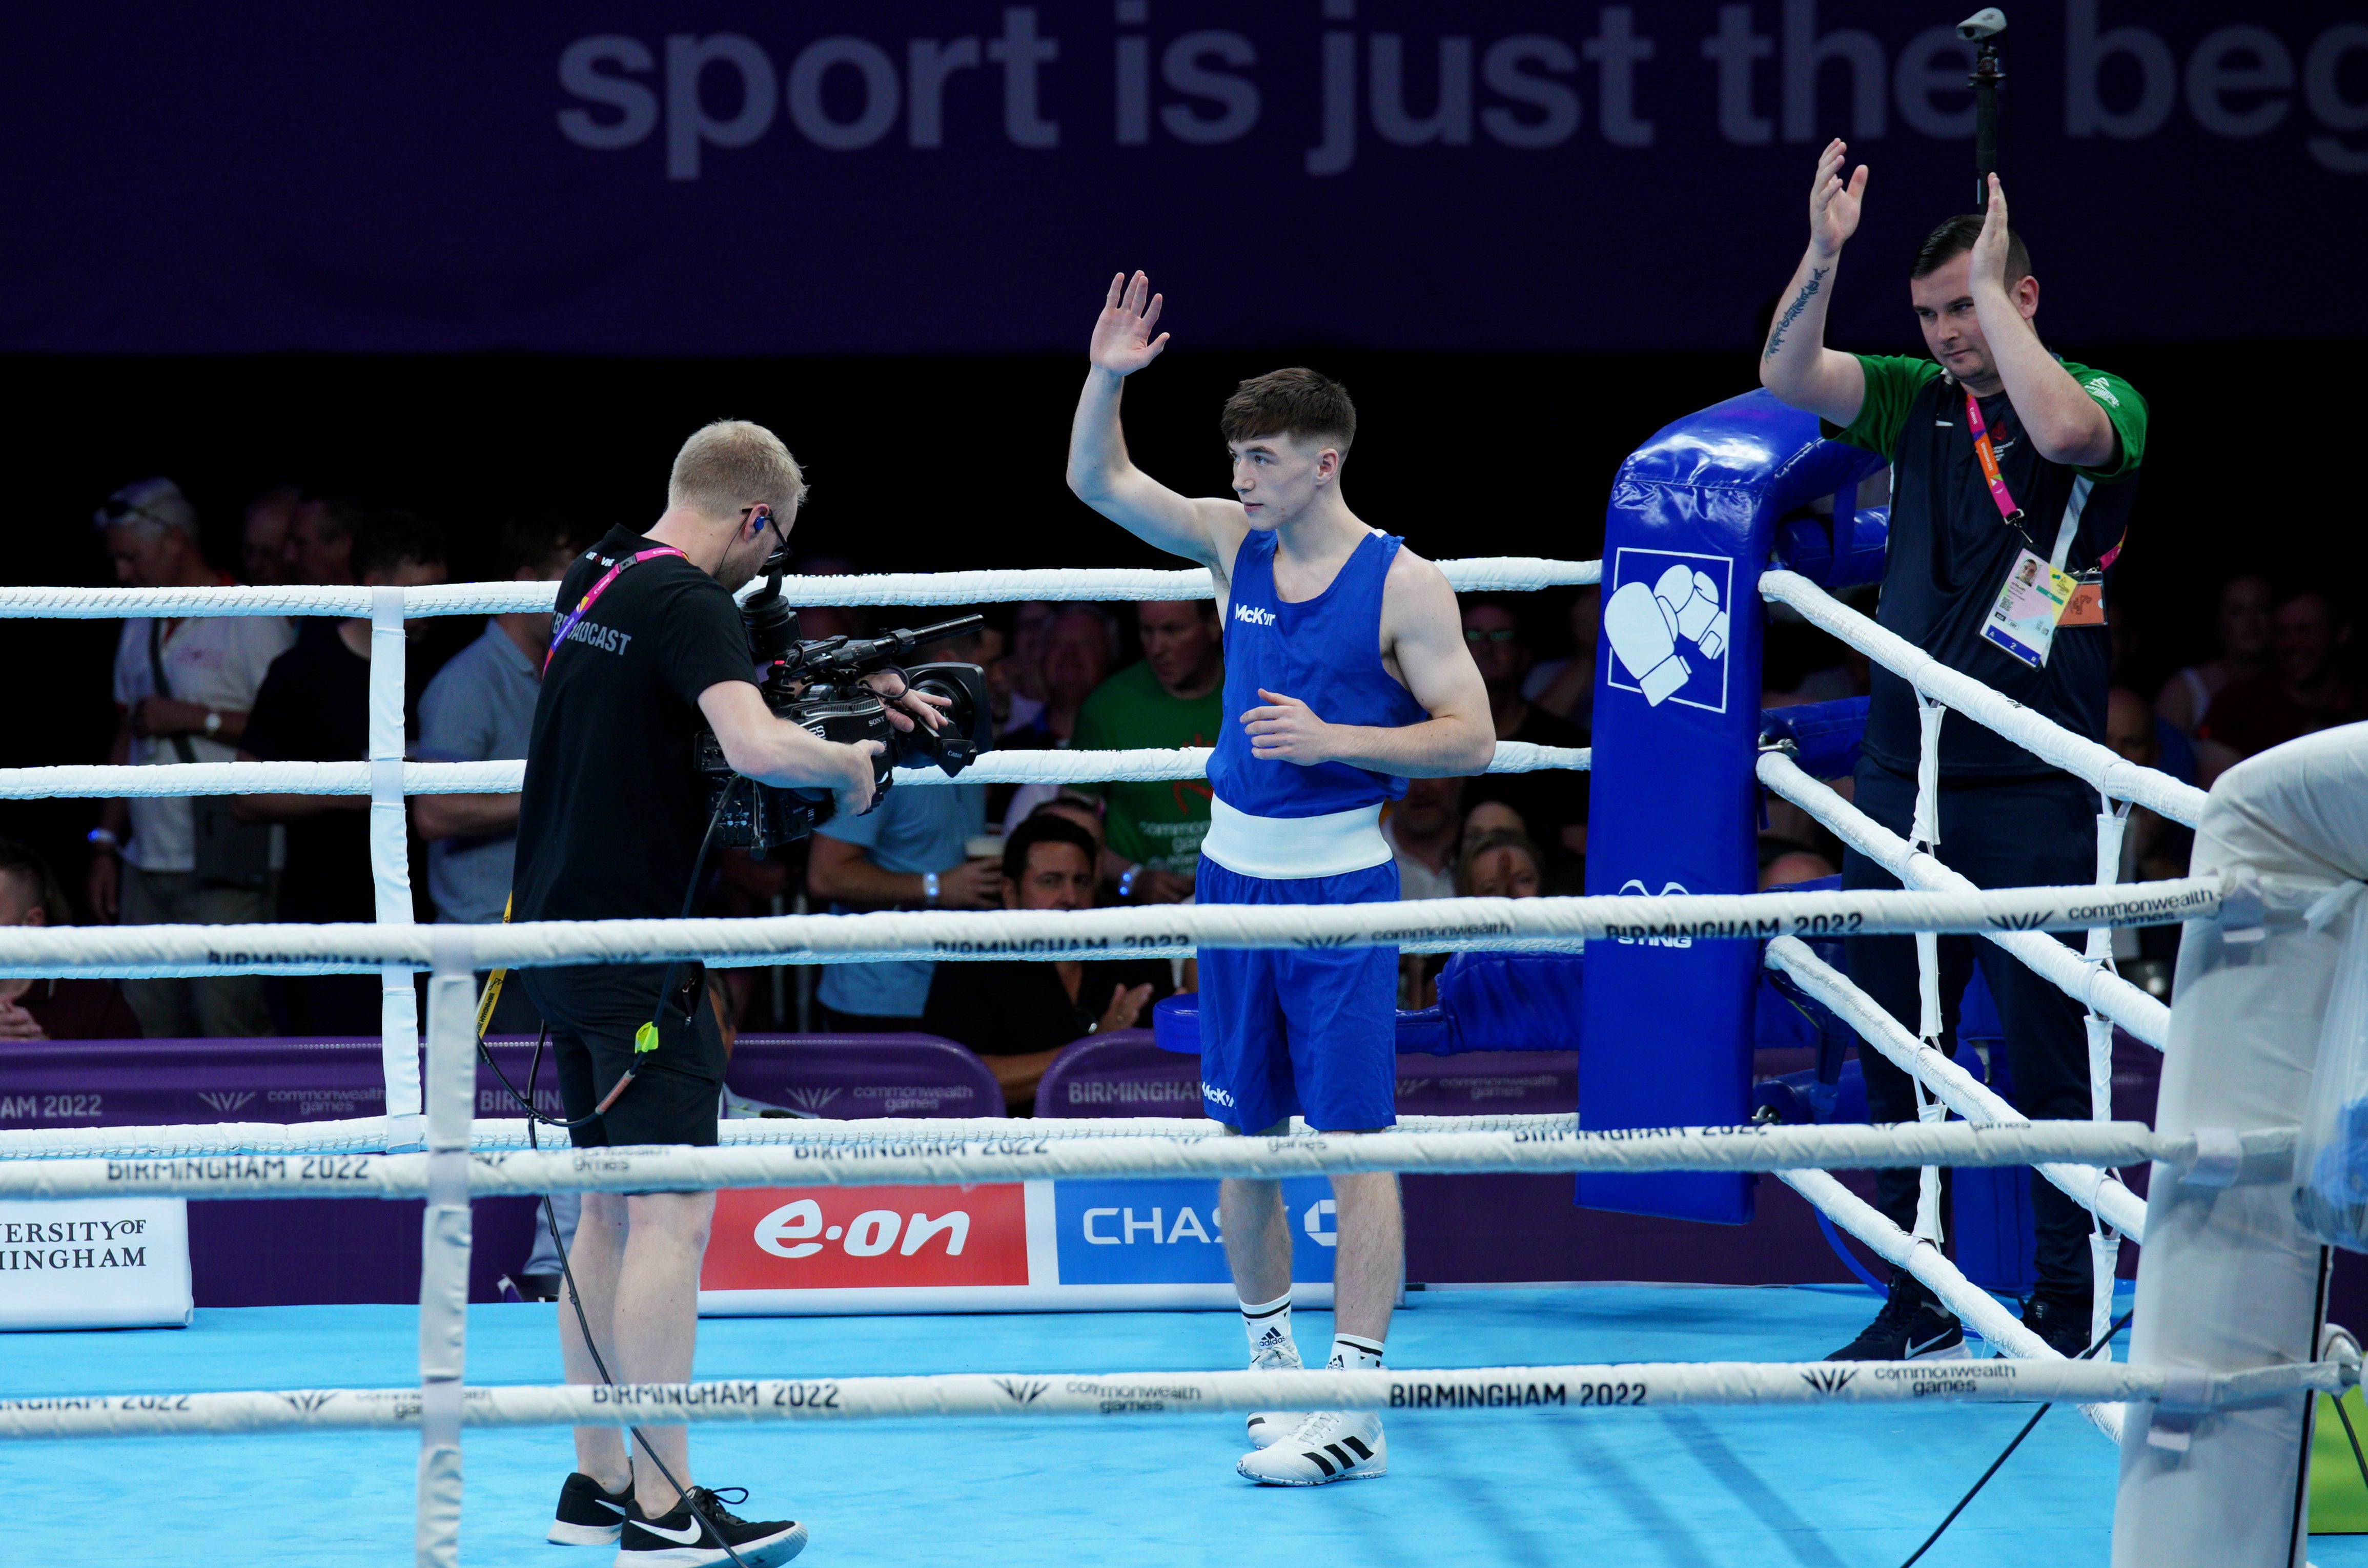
(2062, 1320)
(1912, 1326)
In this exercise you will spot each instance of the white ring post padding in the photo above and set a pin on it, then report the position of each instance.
(1974, 1305)
(389, 848)
(2043, 738)
(1957, 1089)
(1162, 931)
(1520, 1392)
(2099, 990)
(2229, 1277)
(104, 781)
(370, 1134)
(935, 1162)
(1487, 573)
(444, 1250)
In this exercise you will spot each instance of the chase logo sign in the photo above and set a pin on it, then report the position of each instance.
(1666, 618)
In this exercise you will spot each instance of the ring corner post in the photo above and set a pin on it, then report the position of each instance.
(1675, 809)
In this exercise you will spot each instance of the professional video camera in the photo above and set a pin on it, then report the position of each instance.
(819, 686)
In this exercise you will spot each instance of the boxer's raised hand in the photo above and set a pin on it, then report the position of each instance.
(1123, 342)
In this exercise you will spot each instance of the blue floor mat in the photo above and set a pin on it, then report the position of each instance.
(1837, 1487)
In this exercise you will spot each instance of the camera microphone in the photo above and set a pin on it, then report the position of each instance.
(1988, 23)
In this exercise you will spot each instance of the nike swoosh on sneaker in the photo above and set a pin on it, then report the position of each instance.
(1915, 1349)
(687, 1537)
(616, 1508)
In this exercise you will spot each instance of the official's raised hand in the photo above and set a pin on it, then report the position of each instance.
(1833, 203)
(1122, 340)
(1988, 261)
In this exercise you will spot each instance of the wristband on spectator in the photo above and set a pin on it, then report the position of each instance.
(1126, 882)
(928, 887)
(100, 839)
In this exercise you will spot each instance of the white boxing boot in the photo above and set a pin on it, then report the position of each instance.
(1326, 1445)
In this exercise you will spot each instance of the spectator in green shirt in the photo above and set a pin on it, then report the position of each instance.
(1172, 698)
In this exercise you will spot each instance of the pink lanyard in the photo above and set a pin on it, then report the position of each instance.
(1988, 456)
(598, 588)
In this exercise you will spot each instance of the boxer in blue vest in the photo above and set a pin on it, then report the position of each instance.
(1346, 675)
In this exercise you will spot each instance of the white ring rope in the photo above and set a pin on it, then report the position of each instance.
(1492, 574)
(2101, 990)
(2043, 738)
(373, 1134)
(1165, 931)
(2093, 1188)
(104, 781)
(1974, 1306)
(1510, 1389)
(946, 1162)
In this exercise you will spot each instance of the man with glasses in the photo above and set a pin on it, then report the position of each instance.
(1552, 803)
(183, 688)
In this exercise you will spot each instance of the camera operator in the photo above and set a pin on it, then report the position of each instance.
(2013, 479)
(648, 642)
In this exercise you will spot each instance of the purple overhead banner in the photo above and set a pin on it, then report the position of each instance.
(719, 176)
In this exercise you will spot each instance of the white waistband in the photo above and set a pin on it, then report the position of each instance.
(1286, 848)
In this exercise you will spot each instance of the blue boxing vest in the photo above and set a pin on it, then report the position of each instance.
(1327, 653)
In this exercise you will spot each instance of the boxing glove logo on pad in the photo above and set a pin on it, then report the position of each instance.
(1666, 620)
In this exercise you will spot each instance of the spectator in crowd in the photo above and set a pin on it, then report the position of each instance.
(1499, 865)
(321, 541)
(263, 545)
(2305, 690)
(907, 852)
(1783, 863)
(2242, 627)
(183, 688)
(1085, 812)
(1422, 831)
(1171, 697)
(52, 1009)
(1080, 645)
(2154, 848)
(1553, 802)
(1029, 621)
(1565, 687)
(1019, 1013)
(314, 707)
(1485, 817)
(480, 708)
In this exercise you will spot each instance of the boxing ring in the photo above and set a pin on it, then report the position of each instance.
(2213, 1406)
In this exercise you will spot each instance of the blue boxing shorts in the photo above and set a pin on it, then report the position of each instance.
(1286, 1031)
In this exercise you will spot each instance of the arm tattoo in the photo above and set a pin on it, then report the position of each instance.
(1793, 312)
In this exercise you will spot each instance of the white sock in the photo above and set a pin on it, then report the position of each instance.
(1268, 1324)
(1351, 1353)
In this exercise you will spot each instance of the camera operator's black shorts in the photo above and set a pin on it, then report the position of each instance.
(594, 1011)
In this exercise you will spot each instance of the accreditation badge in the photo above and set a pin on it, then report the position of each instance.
(2029, 605)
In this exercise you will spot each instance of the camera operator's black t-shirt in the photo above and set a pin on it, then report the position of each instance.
(608, 827)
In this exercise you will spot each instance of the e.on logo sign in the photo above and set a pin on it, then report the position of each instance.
(822, 1238)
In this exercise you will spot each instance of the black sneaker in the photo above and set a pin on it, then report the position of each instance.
(2062, 1321)
(1912, 1326)
(587, 1515)
(682, 1539)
